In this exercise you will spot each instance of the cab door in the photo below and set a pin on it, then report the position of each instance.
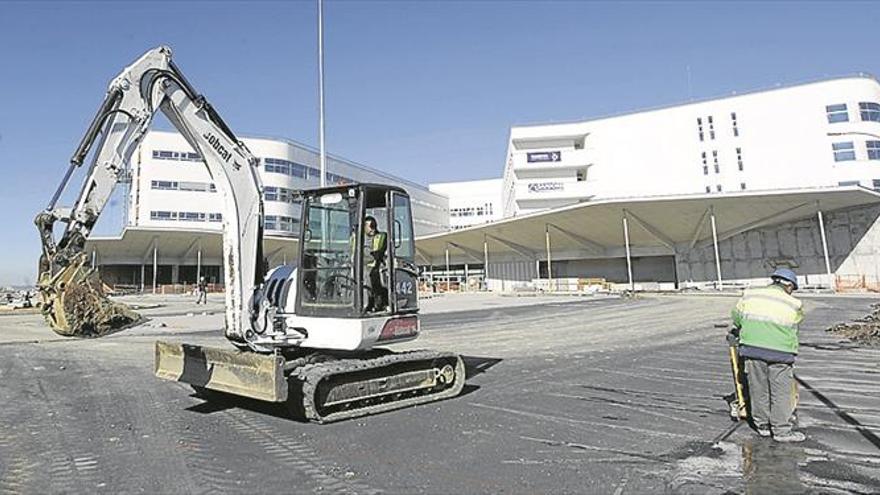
(403, 290)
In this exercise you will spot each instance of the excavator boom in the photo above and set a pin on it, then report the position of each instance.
(73, 299)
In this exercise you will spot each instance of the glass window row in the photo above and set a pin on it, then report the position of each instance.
(185, 216)
(183, 156)
(173, 185)
(282, 223)
(845, 151)
(471, 211)
(868, 111)
(282, 194)
(293, 169)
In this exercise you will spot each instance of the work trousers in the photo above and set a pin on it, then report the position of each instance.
(770, 394)
(378, 294)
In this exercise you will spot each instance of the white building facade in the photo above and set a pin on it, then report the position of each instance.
(752, 147)
(824, 133)
(171, 187)
(471, 202)
(174, 212)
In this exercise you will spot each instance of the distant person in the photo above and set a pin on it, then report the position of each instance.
(375, 245)
(203, 291)
(768, 319)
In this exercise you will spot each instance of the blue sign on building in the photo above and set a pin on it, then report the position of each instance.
(544, 156)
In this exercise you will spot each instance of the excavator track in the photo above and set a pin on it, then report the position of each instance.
(343, 389)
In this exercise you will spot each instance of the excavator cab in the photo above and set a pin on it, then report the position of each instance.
(357, 257)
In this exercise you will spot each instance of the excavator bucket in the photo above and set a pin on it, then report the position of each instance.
(249, 374)
(74, 303)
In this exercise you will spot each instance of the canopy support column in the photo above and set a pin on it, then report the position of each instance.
(486, 263)
(155, 265)
(549, 259)
(715, 244)
(629, 270)
(825, 249)
(448, 275)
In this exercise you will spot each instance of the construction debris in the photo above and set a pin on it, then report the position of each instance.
(865, 330)
(74, 303)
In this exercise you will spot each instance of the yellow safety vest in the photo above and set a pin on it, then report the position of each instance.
(768, 317)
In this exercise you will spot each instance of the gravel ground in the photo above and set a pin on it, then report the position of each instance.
(564, 395)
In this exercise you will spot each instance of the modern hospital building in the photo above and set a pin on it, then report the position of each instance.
(705, 192)
(174, 223)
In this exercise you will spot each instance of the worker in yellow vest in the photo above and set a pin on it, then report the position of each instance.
(375, 245)
(768, 319)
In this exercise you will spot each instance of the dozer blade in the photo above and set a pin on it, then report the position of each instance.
(74, 304)
(244, 373)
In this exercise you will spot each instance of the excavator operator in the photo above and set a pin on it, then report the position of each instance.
(375, 244)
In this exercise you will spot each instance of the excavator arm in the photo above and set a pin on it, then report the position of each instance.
(73, 299)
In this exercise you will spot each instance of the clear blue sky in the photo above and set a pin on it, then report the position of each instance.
(423, 90)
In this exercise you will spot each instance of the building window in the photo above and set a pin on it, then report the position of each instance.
(270, 222)
(164, 185)
(708, 189)
(718, 187)
(742, 186)
(870, 111)
(287, 167)
(286, 224)
(739, 159)
(270, 193)
(700, 127)
(197, 186)
(711, 128)
(705, 170)
(873, 150)
(844, 152)
(215, 217)
(184, 156)
(876, 184)
(715, 160)
(163, 215)
(848, 183)
(735, 127)
(190, 216)
(837, 113)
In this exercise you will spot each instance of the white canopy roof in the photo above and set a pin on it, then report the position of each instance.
(661, 224)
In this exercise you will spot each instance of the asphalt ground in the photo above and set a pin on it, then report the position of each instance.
(564, 395)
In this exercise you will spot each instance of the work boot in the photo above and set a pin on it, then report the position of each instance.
(762, 431)
(790, 437)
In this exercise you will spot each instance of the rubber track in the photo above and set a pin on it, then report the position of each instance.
(311, 375)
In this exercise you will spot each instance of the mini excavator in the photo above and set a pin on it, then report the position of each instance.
(307, 335)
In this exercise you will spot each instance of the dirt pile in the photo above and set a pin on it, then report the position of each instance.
(90, 314)
(865, 330)
(74, 303)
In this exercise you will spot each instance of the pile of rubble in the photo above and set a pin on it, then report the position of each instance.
(865, 330)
